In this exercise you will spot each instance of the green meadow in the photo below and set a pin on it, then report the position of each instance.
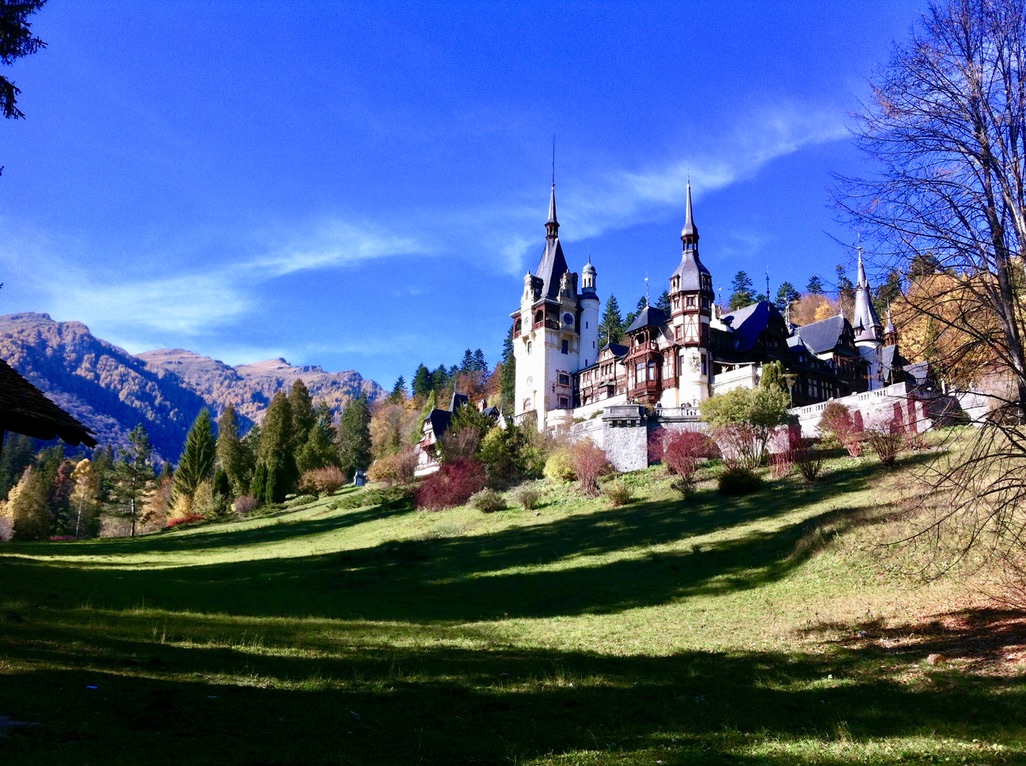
(777, 628)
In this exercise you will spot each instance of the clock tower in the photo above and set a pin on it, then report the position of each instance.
(547, 329)
(691, 299)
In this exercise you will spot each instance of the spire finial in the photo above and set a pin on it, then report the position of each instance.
(689, 235)
(552, 225)
(647, 300)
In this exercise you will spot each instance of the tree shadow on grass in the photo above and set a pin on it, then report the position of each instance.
(110, 694)
(518, 572)
(540, 570)
(284, 527)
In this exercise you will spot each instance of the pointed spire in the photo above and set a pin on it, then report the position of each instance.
(862, 281)
(552, 225)
(689, 234)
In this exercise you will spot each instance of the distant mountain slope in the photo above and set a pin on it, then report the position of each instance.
(112, 391)
(105, 387)
(250, 387)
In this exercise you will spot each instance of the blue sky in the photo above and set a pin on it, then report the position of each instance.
(363, 185)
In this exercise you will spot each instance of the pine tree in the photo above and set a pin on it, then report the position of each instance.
(422, 384)
(354, 439)
(319, 451)
(663, 304)
(197, 461)
(611, 327)
(480, 363)
(398, 394)
(508, 379)
(231, 455)
(743, 292)
(133, 473)
(786, 295)
(814, 286)
(276, 462)
(303, 417)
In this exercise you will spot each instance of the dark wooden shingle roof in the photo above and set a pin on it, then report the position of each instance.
(24, 409)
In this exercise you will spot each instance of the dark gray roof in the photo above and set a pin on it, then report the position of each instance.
(439, 420)
(650, 316)
(748, 323)
(617, 349)
(823, 335)
(690, 270)
(24, 409)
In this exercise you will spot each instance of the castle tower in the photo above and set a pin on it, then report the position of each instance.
(866, 322)
(589, 316)
(547, 331)
(691, 300)
(890, 332)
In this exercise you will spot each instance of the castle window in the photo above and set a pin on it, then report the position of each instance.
(704, 368)
(564, 347)
(527, 404)
(564, 380)
(528, 347)
(516, 327)
(691, 302)
(564, 402)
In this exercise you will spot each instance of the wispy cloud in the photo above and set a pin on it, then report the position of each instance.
(331, 243)
(618, 198)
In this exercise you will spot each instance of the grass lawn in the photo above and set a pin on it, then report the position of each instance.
(757, 630)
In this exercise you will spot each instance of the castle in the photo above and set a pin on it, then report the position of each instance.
(676, 360)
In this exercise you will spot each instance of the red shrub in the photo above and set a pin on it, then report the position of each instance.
(656, 444)
(741, 445)
(453, 484)
(589, 463)
(682, 451)
(246, 504)
(191, 518)
(837, 421)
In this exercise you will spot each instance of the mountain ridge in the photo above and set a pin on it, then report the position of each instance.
(112, 391)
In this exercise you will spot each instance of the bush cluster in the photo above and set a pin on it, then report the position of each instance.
(559, 468)
(488, 501)
(527, 497)
(589, 463)
(322, 481)
(398, 468)
(682, 452)
(619, 493)
(738, 480)
(453, 484)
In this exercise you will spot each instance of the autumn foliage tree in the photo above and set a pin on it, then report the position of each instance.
(944, 135)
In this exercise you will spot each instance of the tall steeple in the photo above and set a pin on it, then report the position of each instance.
(552, 225)
(689, 234)
(691, 273)
(866, 322)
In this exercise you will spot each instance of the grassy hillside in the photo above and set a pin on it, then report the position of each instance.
(765, 629)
